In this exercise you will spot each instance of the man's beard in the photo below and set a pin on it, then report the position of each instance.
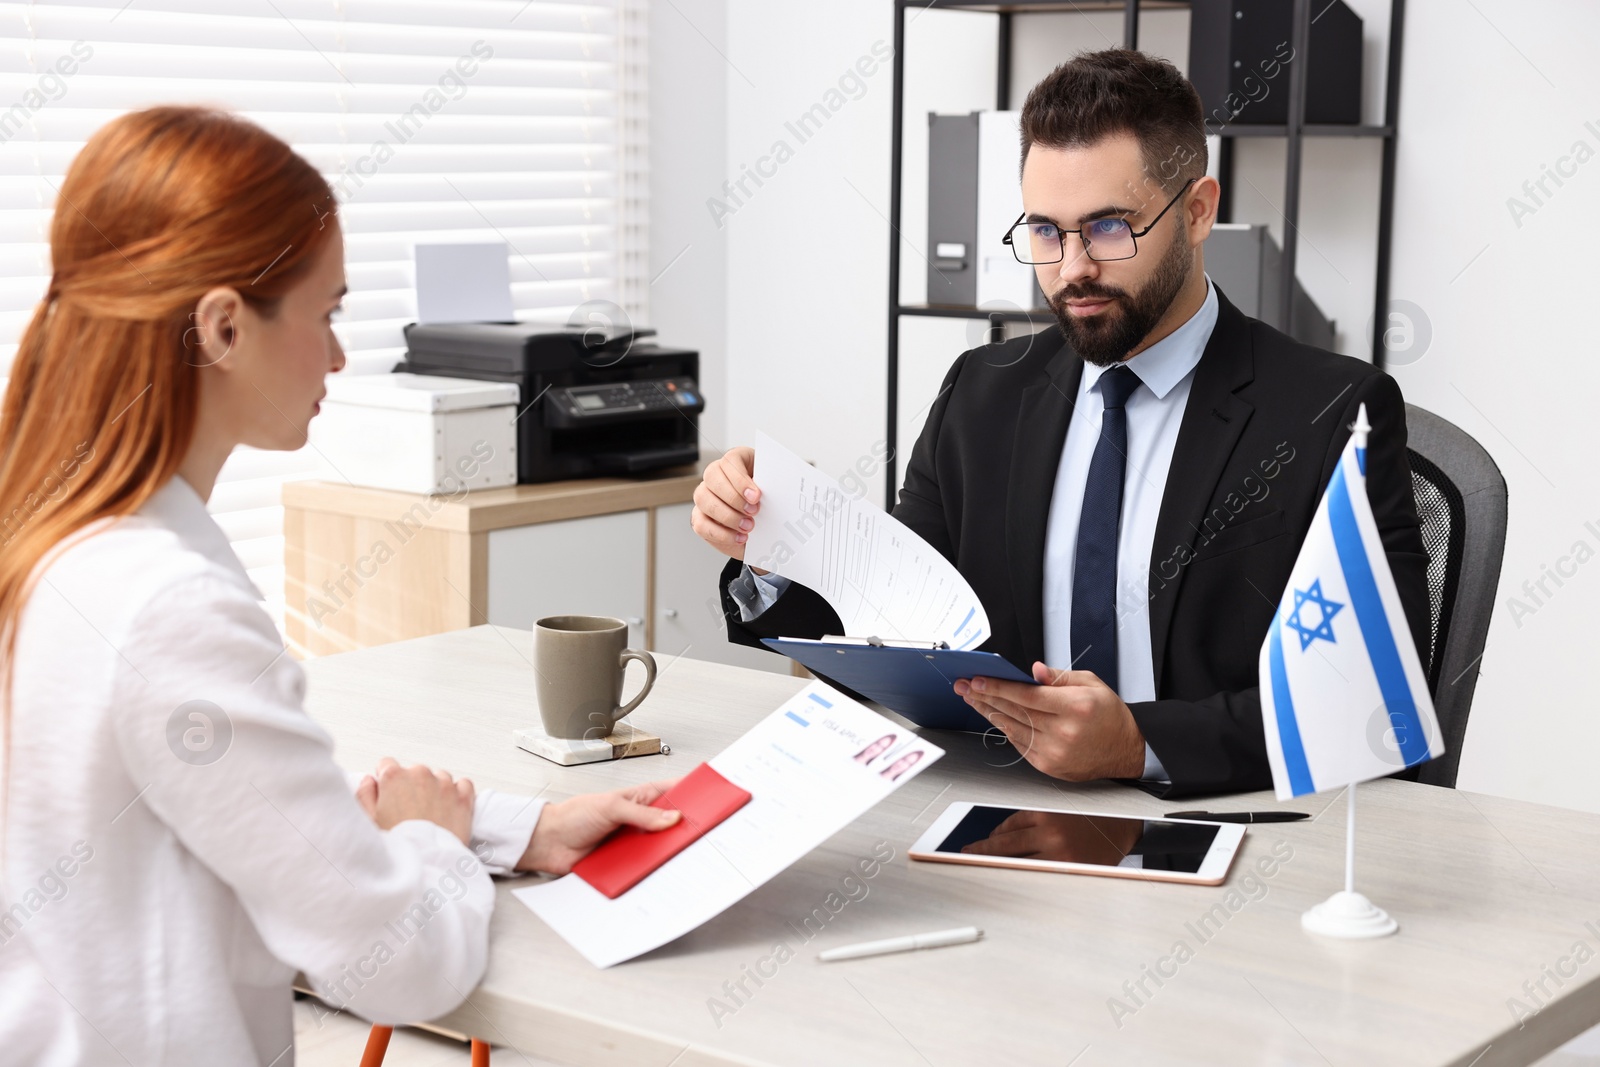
(1107, 337)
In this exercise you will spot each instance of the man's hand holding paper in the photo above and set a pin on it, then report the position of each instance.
(879, 576)
(726, 502)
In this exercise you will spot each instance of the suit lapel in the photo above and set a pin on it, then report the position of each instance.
(1212, 424)
(1041, 432)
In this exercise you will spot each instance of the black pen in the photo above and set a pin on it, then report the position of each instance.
(1240, 816)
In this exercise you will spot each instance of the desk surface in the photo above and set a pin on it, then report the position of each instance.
(1489, 893)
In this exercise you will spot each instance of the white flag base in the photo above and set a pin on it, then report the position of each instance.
(1348, 915)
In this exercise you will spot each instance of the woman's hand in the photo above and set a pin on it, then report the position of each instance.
(392, 794)
(568, 830)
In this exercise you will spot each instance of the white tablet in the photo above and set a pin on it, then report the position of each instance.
(1081, 842)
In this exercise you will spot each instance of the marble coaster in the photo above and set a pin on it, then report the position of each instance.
(623, 741)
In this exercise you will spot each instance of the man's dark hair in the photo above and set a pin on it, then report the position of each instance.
(1095, 95)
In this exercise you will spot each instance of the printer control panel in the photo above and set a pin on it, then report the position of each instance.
(575, 405)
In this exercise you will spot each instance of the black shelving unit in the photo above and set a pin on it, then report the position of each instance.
(1294, 132)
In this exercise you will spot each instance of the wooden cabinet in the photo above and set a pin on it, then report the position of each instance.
(688, 609)
(371, 566)
(592, 566)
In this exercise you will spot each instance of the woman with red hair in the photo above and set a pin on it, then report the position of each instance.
(178, 840)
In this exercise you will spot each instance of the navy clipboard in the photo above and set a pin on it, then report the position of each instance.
(918, 683)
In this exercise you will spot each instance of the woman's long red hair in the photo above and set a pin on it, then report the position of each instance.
(160, 207)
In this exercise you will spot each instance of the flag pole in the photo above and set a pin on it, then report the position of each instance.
(1348, 914)
(1350, 840)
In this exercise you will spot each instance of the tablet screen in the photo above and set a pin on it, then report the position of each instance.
(1062, 837)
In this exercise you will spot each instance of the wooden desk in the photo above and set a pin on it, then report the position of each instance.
(1489, 893)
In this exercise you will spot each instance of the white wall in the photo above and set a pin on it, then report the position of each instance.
(808, 249)
(688, 158)
(1491, 96)
(1490, 93)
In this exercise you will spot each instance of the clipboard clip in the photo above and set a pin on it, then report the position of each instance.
(874, 642)
(877, 642)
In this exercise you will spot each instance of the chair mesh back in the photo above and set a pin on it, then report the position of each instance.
(1443, 515)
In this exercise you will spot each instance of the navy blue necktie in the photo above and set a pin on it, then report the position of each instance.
(1094, 568)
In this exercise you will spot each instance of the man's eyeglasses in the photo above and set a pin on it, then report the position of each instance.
(1103, 239)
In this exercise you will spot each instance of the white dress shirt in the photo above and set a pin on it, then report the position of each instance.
(156, 906)
(1154, 412)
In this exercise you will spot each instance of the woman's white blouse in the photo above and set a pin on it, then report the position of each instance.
(178, 841)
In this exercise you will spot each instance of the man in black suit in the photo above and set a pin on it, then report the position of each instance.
(1126, 491)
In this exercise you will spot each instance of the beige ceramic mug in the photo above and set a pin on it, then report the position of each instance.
(581, 660)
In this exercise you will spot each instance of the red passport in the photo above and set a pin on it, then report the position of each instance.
(624, 859)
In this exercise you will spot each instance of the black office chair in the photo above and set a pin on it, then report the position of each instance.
(1461, 500)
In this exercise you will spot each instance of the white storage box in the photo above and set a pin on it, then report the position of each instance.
(419, 434)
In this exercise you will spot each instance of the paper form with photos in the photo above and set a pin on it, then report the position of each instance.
(881, 578)
(812, 766)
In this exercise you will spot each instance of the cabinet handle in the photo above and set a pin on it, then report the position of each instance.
(671, 613)
(634, 620)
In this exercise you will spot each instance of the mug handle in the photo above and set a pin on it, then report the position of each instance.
(649, 662)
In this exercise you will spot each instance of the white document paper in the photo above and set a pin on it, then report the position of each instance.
(811, 768)
(463, 282)
(881, 578)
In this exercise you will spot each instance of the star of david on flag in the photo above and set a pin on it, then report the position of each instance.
(1324, 628)
(1343, 695)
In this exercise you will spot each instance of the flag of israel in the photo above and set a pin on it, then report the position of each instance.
(1343, 695)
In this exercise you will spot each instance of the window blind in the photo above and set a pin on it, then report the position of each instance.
(434, 120)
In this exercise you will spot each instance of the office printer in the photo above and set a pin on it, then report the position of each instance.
(594, 402)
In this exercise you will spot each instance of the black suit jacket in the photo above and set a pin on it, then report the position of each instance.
(1266, 422)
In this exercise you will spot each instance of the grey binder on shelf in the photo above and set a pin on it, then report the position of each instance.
(1243, 260)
